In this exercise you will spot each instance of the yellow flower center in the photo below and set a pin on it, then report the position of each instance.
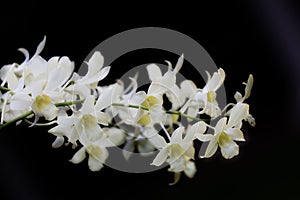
(150, 101)
(175, 150)
(224, 139)
(211, 96)
(42, 102)
(94, 150)
(147, 103)
(174, 118)
(145, 120)
(89, 120)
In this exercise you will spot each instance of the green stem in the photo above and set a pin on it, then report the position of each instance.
(130, 106)
(184, 115)
(24, 115)
(168, 112)
(4, 88)
(68, 103)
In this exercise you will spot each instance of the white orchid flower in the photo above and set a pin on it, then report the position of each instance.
(9, 77)
(166, 84)
(38, 87)
(83, 122)
(66, 128)
(240, 99)
(151, 110)
(203, 98)
(96, 72)
(43, 89)
(225, 133)
(6, 102)
(96, 148)
(153, 99)
(36, 59)
(93, 138)
(177, 152)
(153, 104)
(12, 76)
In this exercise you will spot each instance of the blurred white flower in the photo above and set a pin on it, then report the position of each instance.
(137, 142)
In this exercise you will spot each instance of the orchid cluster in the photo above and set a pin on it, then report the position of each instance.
(93, 118)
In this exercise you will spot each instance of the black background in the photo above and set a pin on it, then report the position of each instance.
(258, 37)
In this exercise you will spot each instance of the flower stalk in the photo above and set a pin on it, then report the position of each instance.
(69, 103)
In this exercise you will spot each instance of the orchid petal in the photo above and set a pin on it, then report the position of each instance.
(176, 136)
(58, 142)
(196, 129)
(187, 88)
(190, 169)
(239, 112)
(160, 157)
(79, 156)
(221, 125)
(95, 63)
(248, 86)
(115, 137)
(236, 134)
(60, 74)
(229, 149)
(238, 96)
(154, 72)
(216, 81)
(138, 98)
(94, 164)
(211, 148)
(179, 64)
(103, 73)
(204, 137)
(88, 105)
(157, 140)
(20, 101)
(40, 47)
